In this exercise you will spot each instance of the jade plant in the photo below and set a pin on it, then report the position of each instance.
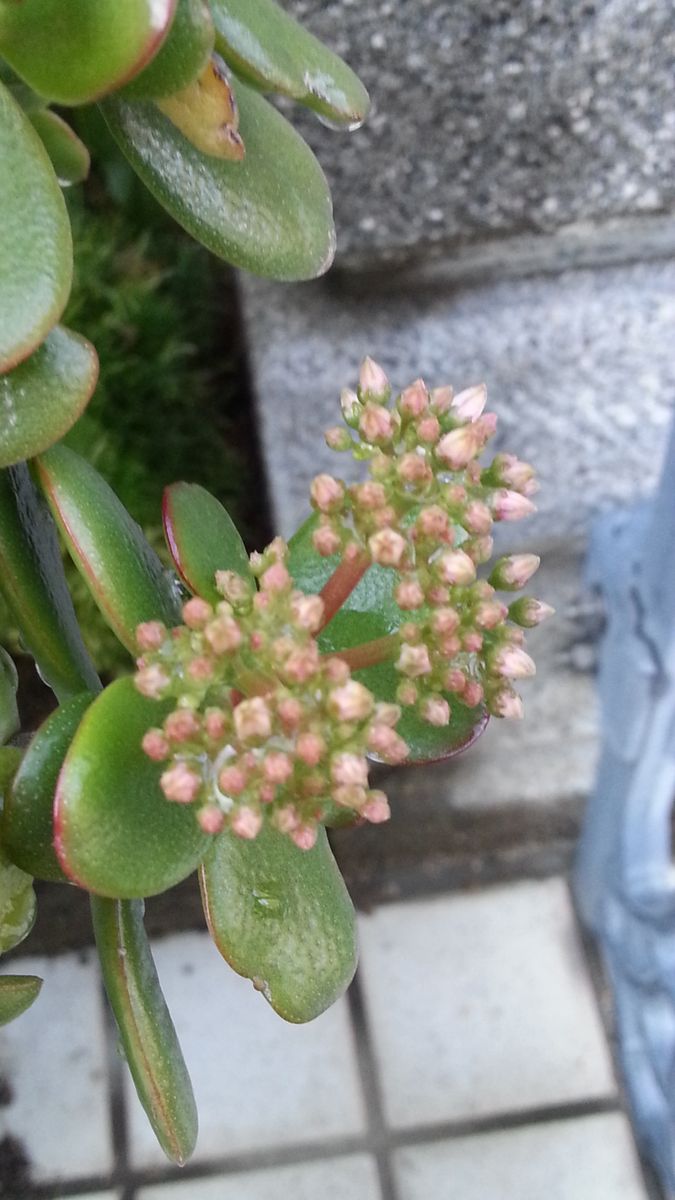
(263, 684)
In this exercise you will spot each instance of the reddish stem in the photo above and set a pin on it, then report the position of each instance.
(369, 654)
(341, 585)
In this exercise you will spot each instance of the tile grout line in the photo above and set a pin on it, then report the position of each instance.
(372, 1089)
(599, 983)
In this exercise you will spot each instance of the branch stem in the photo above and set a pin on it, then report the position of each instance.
(341, 585)
(370, 654)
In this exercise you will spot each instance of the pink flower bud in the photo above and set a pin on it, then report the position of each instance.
(286, 819)
(252, 720)
(376, 424)
(246, 823)
(529, 612)
(480, 549)
(472, 641)
(428, 429)
(387, 714)
(413, 468)
(210, 818)
(233, 587)
(445, 621)
(223, 635)
(490, 614)
(150, 635)
(456, 449)
(155, 745)
(433, 522)
(511, 506)
(326, 541)
(337, 438)
(477, 517)
(509, 471)
(513, 663)
(196, 612)
(336, 670)
(413, 661)
(512, 572)
(200, 668)
(408, 594)
(435, 711)
(351, 408)
(369, 495)
(349, 769)
(307, 611)
(152, 682)
(277, 767)
(506, 703)
(438, 595)
(275, 578)
(350, 796)
(387, 547)
(327, 493)
(406, 693)
(351, 702)
(472, 694)
(290, 712)
(180, 783)
(215, 723)
(181, 725)
(441, 398)
(454, 681)
(373, 383)
(310, 748)
(414, 400)
(305, 836)
(376, 809)
(232, 781)
(469, 404)
(456, 568)
(301, 664)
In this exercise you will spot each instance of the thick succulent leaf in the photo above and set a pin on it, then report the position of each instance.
(34, 586)
(116, 834)
(69, 155)
(271, 213)
(283, 918)
(43, 396)
(183, 55)
(27, 825)
(122, 571)
(371, 612)
(10, 761)
(36, 251)
(74, 52)
(17, 903)
(146, 1030)
(17, 993)
(202, 538)
(9, 713)
(270, 50)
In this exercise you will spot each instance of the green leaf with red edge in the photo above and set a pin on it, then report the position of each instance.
(10, 761)
(270, 213)
(17, 993)
(68, 154)
(43, 396)
(147, 1033)
(183, 55)
(272, 51)
(9, 713)
(17, 903)
(116, 834)
(281, 917)
(371, 612)
(120, 568)
(34, 586)
(36, 250)
(74, 52)
(202, 539)
(27, 824)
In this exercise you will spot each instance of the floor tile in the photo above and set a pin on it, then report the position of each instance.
(258, 1081)
(351, 1178)
(591, 1158)
(480, 1003)
(53, 1059)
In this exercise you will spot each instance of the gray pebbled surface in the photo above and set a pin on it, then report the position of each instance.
(494, 117)
(580, 369)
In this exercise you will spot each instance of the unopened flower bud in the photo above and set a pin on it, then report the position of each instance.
(246, 823)
(469, 404)
(351, 702)
(376, 809)
(428, 429)
(181, 725)
(441, 398)
(252, 720)
(223, 635)
(349, 769)
(304, 836)
(337, 438)
(351, 408)
(455, 568)
(490, 614)
(477, 517)
(433, 522)
(387, 714)
(512, 572)
(512, 473)
(406, 693)
(200, 668)
(435, 711)
(376, 424)
(327, 493)
(387, 547)
(413, 661)
(506, 703)
(513, 663)
(310, 748)
(326, 541)
(480, 549)
(233, 587)
(414, 400)
(286, 819)
(373, 383)
(211, 819)
(196, 612)
(152, 682)
(156, 745)
(275, 578)
(215, 723)
(350, 796)
(511, 506)
(180, 783)
(529, 612)
(150, 635)
(307, 611)
(232, 780)
(408, 594)
(456, 449)
(472, 693)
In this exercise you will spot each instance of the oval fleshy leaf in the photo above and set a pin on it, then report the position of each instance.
(146, 1030)
(36, 250)
(27, 825)
(17, 993)
(17, 903)
(183, 55)
(10, 761)
(9, 713)
(69, 155)
(73, 53)
(272, 51)
(120, 568)
(34, 586)
(283, 918)
(116, 834)
(371, 612)
(270, 213)
(43, 397)
(202, 539)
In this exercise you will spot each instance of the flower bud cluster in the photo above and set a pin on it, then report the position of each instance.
(427, 512)
(263, 727)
